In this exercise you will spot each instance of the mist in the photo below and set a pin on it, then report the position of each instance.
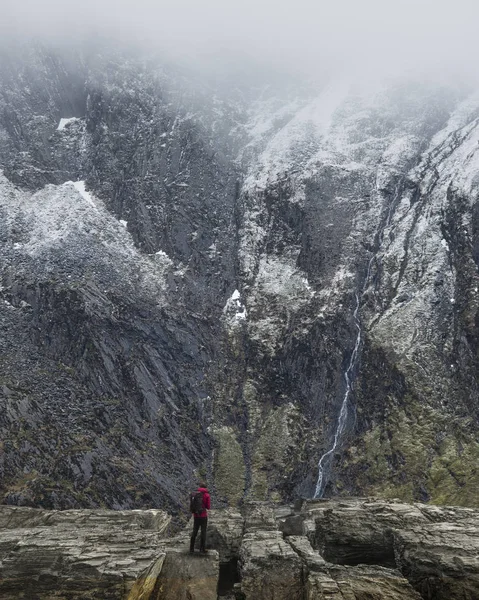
(303, 36)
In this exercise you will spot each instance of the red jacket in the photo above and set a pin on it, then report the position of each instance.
(206, 502)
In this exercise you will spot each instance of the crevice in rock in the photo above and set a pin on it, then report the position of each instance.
(353, 555)
(229, 575)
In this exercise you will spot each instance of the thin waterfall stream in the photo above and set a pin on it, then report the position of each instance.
(343, 414)
(348, 374)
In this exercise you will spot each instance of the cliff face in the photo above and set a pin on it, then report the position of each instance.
(237, 285)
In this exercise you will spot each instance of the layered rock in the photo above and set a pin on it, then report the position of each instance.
(441, 560)
(267, 562)
(354, 550)
(434, 548)
(78, 554)
(82, 554)
(359, 583)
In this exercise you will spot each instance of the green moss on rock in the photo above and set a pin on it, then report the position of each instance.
(229, 466)
(270, 455)
(417, 454)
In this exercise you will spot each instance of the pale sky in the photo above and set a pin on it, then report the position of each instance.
(300, 34)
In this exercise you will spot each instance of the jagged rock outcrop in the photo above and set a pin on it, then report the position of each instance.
(427, 552)
(108, 330)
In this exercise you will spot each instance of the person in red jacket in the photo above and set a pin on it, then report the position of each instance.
(200, 518)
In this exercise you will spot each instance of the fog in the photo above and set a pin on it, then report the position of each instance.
(306, 36)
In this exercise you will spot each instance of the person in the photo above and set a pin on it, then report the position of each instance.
(201, 520)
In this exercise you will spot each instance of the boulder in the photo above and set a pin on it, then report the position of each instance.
(186, 576)
(17, 517)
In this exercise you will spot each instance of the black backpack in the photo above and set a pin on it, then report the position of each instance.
(196, 503)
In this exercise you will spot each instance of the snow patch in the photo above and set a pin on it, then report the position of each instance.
(234, 310)
(64, 122)
(278, 277)
(60, 218)
(165, 259)
(80, 187)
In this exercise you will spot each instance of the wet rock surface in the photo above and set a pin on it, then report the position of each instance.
(99, 554)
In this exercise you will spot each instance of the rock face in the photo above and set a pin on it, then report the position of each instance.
(276, 291)
(358, 583)
(267, 562)
(434, 548)
(77, 554)
(185, 577)
(428, 552)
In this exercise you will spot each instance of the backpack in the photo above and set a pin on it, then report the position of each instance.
(196, 502)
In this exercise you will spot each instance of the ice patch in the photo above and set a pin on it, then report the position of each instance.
(124, 223)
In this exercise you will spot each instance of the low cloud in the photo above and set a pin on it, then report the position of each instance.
(307, 36)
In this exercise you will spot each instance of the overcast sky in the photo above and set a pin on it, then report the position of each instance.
(299, 34)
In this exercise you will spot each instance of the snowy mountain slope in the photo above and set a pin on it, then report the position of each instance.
(367, 210)
(234, 285)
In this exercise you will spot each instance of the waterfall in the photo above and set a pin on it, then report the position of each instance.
(343, 414)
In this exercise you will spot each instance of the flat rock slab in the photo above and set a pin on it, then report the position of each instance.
(17, 517)
(75, 563)
(124, 555)
(359, 583)
(442, 560)
(76, 554)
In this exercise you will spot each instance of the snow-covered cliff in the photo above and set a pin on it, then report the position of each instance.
(273, 289)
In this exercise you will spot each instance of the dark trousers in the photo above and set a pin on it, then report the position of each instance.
(199, 522)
